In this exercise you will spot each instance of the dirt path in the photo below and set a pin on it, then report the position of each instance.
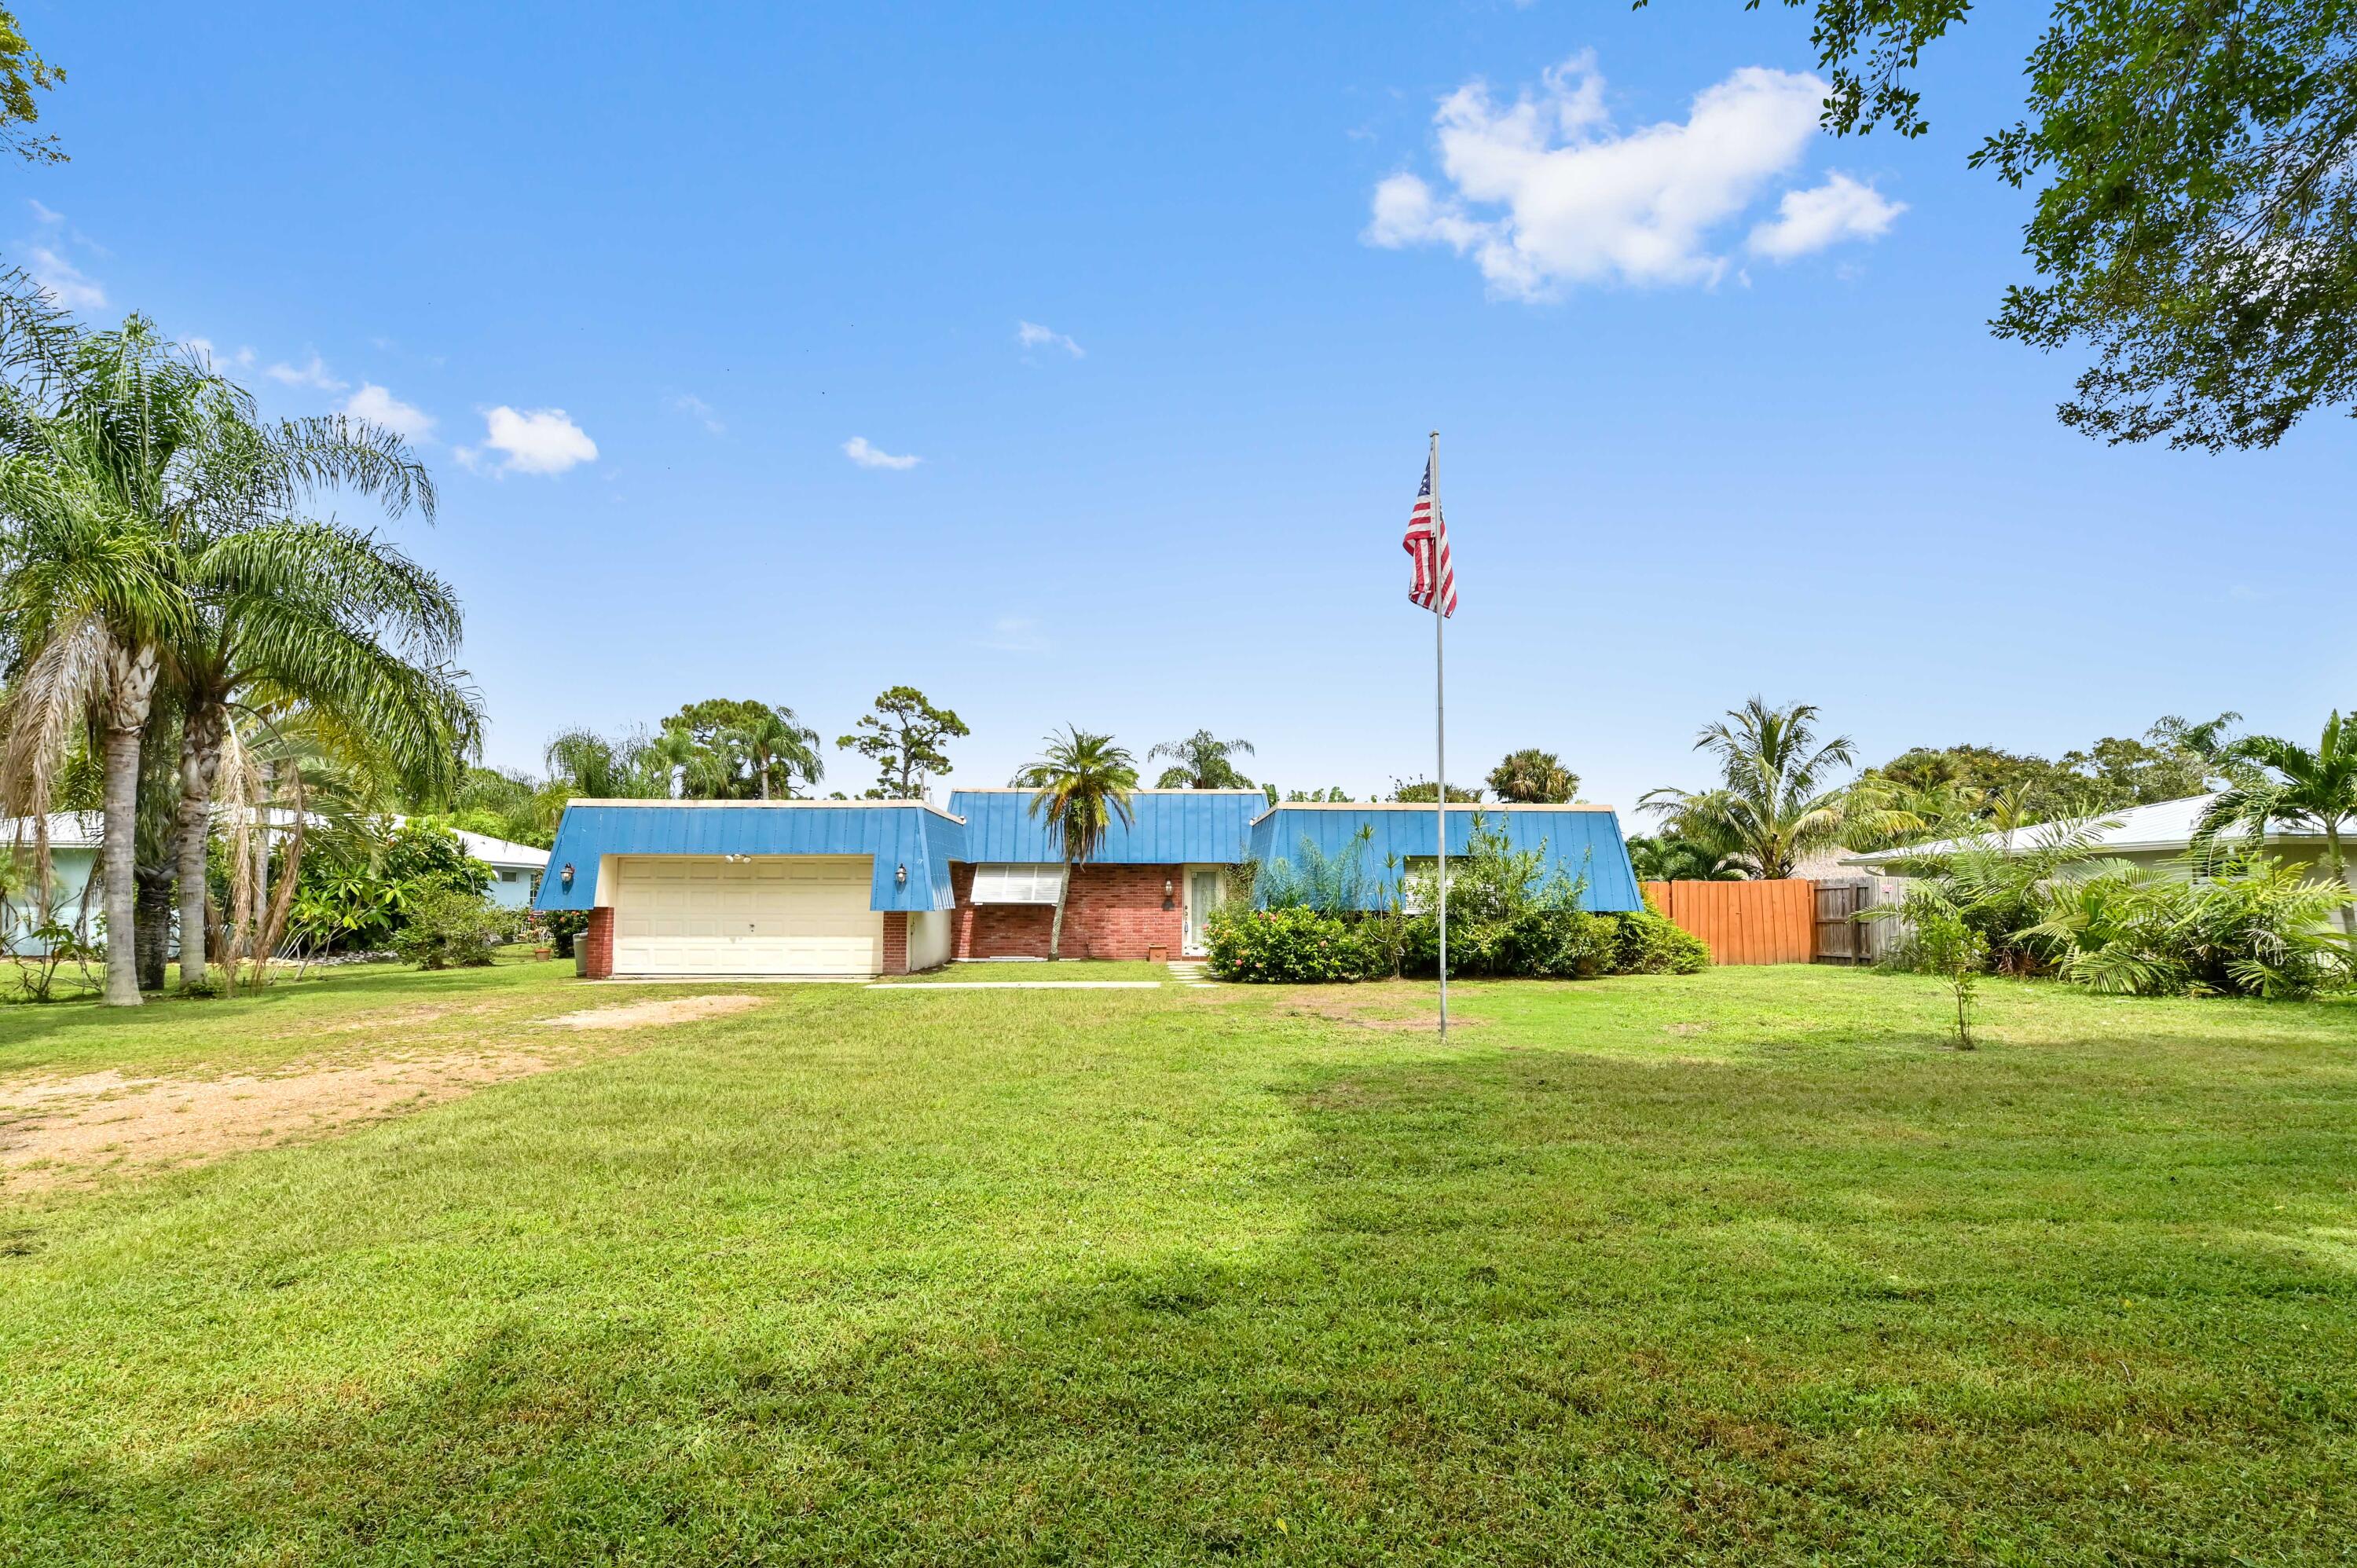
(74, 1132)
(71, 1131)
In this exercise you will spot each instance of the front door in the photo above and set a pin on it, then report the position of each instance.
(1203, 892)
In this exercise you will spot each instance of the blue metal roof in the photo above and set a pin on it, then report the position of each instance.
(1172, 828)
(897, 832)
(1583, 841)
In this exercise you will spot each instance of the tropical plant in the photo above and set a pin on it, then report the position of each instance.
(446, 927)
(360, 901)
(903, 737)
(93, 477)
(1946, 944)
(585, 765)
(745, 749)
(1080, 783)
(1201, 761)
(1672, 857)
(294, 613)
(1778, 801)
(1534, 777)
(2243, 924)
(2274, 782)
(1424, 792)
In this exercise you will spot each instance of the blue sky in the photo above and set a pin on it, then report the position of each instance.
(1714, 421)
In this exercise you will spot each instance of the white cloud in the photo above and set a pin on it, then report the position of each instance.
(866, 456)
(1546, 192)
(1014, 634)
(378, 406)
(63, 281)
(1031, 335)
(701, 411)
(534, 441)
(1841, 209)
(312, 373)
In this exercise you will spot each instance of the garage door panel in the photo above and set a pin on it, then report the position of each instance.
(781, 915)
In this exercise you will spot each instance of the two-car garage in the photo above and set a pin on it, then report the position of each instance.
(788, 889)
(799, 915)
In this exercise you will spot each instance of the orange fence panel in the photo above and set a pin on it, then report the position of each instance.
(1744, 922)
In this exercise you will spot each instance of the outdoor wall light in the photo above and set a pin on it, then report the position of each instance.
(1168, 887)
(565, 875)
(901, 876)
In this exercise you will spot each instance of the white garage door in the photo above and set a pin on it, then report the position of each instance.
(784, 915)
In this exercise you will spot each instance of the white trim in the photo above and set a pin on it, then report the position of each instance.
(1426, 806)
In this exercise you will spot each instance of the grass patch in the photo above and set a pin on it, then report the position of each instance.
(1741, 1268)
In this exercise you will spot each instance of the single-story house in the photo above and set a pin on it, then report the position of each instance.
(74, 841)
(867, 887)
(2158, 835)
(515, 867)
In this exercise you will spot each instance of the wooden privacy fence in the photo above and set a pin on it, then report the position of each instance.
(1744, 922)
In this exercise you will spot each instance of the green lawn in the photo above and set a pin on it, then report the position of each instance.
(1740, 1268)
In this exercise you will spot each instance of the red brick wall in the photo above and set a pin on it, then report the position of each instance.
(600, 938)
(1111, 911)
(896, 941)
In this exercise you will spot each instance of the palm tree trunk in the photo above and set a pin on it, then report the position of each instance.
(2339, 868)
(153, 912)
(1056, 926)
(131, 691)
(259, 850)
(201, 747)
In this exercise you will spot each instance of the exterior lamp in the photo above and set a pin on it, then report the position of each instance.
(1168, 887)
(900, 875)
(565, 876)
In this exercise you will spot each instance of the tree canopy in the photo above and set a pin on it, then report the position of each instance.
(2195, 227)
(903, 737)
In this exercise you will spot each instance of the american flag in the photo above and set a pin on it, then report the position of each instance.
(1427, 545)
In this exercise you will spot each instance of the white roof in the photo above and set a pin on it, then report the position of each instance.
(2165, 825)
(86, 830)
(496, 852)
(68, 830)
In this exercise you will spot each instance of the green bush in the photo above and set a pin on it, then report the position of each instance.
(1648, 943)
(446, 927)
(2255, 927)
(1290, 946)
(356, 905)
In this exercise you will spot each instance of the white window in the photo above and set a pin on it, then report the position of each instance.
(1017, 884)
(511, 875)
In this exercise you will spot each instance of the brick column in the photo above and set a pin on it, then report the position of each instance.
(896, 941)
(600, 938)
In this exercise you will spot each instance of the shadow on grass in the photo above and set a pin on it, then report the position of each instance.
(1538, 1308)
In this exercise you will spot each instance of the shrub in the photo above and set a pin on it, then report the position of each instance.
(360, 905)
(445, 928)
(1648, 943)
(1298, 945)
(2256, 927)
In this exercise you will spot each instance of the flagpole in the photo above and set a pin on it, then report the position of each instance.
(1440, 736)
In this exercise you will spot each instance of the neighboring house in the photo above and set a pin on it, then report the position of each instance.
(74, 838)
(867, 887)
(2157, 836)
(515, 867)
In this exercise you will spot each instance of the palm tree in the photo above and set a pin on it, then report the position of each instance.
(90, 589)
(1532, 777)
(2271, 781)
(1774, 805)
(331, 619)
(179, 452)
(1078, 786)
(776, 743)
(1202, 762)
(585, 765)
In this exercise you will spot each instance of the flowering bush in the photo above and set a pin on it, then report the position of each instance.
(1297, 945)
